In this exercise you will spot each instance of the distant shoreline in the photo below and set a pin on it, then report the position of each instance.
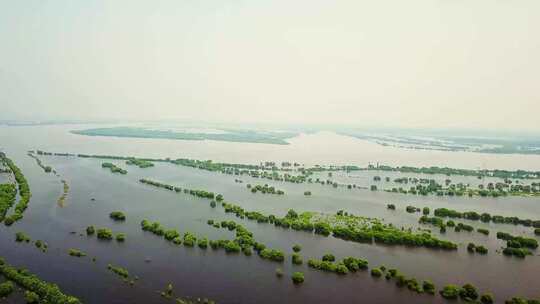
(275, 138)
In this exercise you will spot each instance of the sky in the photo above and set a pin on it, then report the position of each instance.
(410, 64)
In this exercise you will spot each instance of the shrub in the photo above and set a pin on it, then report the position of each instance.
(328, 257)
(376, 272)
(468, 293)
(119, 271)
(170, 235)
(411, 209)
(450, 292)
(189, 239)
(297, 259)
(90, 230)
(354, 264)
(104, 234)
(120, 237)
(279, 272)
(6, 288)
(412, 284)
(341, 268)
(117, 216)
(297, 278)
(272, 254)
(247, 251)
(518, 300)
(31, 297)
(425, 211)
(428, 287)
(486, 299)
(483, 231)
(203, 243)
(232, 247)
(21, 237)
(517, 252)
(76, 253)
(297, 248)
(481, 250)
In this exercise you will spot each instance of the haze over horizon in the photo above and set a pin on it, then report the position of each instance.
(433, 64)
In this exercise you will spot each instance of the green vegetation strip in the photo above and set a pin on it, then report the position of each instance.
(342, 225)
(422, 186)
(24, 191)
(486, 217)
(141, 163)
(46, 169)
(62, 199)
(8, 192)
(521, 174)
(113, 168)
(47, 292)
(264, 189)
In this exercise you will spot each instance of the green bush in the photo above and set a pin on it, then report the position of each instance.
(119, 271)
(341, 268)
(328, 257)
(376, 272)
(483, 231)
(272, 254)
(31, 297)
(120, 237)
(203, 243)
(76, 253)
(486, 299)
(354, 264)
(104, 234)
(21, 237)
(468, 293)
(297, 278)
(297, 248)
(450, 292)
(481, 250)
(297, 259)
(6, 288)
(117, 216)
(428, 287)
(90, 230)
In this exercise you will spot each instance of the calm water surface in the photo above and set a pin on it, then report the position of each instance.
(236, 278)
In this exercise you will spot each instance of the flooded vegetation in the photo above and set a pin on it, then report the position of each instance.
(65, 189)
(317, 223)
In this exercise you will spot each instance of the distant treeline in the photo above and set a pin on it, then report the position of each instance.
(234, 168)
(523, 174)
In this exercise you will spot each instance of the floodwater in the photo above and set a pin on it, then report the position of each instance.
(309, 149)
(236, 278)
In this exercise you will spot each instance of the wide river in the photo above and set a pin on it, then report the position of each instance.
(237, 278)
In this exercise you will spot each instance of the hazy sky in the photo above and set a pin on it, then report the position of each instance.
(432, 63)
